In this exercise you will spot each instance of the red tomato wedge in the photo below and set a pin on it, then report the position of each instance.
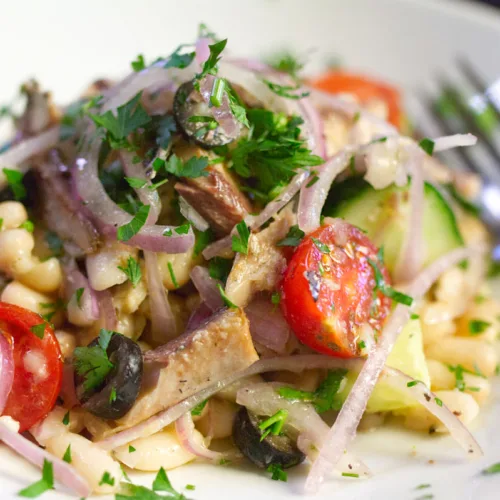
(365, 89)
(328, 290)
(38, 365)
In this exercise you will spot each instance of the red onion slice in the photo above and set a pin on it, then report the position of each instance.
(107, 309)
(162, 318)
(63, 472)
(192, 215)
(207, 287)
(343, 430)
(314, 123)
(109, 216)
(184, 426)
(86, 310)
(6, 371)
(313, 198)
(199, 316)
(15, 156)
(202, 50)
(221, 113)
(454, 141)
(267, 324)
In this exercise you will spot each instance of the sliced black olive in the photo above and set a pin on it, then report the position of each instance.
(194, 119)
(119, 390)
(279, 450)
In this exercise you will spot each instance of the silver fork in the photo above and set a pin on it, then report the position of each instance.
(463, 119)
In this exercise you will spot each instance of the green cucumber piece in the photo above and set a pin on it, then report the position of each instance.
(384, 214)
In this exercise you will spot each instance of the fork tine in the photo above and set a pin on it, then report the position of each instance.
(478, 83)
(464, 154)
(465, 113)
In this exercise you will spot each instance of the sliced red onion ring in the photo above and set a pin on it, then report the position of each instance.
(192, 215)
(63, 472)
(410, 258)
(263, 400)
(199, 316)
(454, 141)
(109, 216)
(314, 123)
(217, 248)
(289, 363)
(184, 426)
(202, 50)
(107, 309)
(221, 113)
(85, 311)
(267, 324)
(162, 318)
(207, 287)
(344, 429)
(15, 156)
(6, 371)
(313, 198)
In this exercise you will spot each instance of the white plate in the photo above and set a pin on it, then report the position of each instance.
(65, 44)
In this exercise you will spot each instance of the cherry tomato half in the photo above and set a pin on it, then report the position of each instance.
(328, 290)
(37, 366)
(365, 89)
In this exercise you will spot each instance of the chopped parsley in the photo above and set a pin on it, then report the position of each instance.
(219, 268)
(240, 241)
(93, 363)
(218, 91)
(132, 271)
(385, 289)
(65, 419)
(43, 485)
(414, 316)
(324, 398)
(413, 383)
(139, 63)
(162, 483)
(274, 424)
(15, 181)
(190, 487)
(492, 469)
(427, 145)
(38, 330)
(135, 182)
(350, 474)
(194, 167)
(129, 117)
(67, 454)
(130, 229)
(287, 91)
(362, 345)
(131, 449)
(322, 247)
(275, 298)
(477, 326)
(277, 473)
(210, 65)
(184, 229)
(225, 298)
(286, 62)
(198, 409)
(107, 478)
(112, 395)
(458, 371)
(422, 486)
(293, 237)
(28, 225)
(78, 296)
(180, 59)
(438, 401)
(172, 275)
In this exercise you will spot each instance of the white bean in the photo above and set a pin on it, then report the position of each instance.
(441, 376)
(461, 404)
(20, 295)
(13, 214)
(159, 450)
(181, 266)
(486, 310)
(67, 342)
(16, 246)
(468, 352)
(43, 276)
(478, 387)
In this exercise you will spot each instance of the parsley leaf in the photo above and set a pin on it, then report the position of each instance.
(219, 268)
(203, 239)
(15, 181)
(286, 63)
(198, 409)
(180, 60)
(107, 478)
(286, 90)
(492, 469)
(93, 363)
(38, 330)
(162, 483)
(210, 65)
(184, 229)
(135, 182)
(138, 64)
(240, 242)
(130, 229)
(194, 167)
(129, 117)
(324, 398)
(28, 225)
(43, 485)
(293, 238)
(277, 473)
(78, 296)
(67, 454)
(225, 299)
(427, 145)
(133, 271)
(477, 326)
(131, 449)
(65, 419)
(322, 247)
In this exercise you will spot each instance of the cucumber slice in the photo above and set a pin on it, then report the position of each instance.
(408, 356)
(383, 214)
